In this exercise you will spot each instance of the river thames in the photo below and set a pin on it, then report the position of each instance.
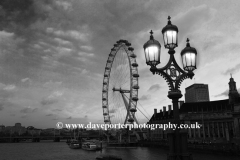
(61, 151)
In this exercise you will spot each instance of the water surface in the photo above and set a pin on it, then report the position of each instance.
(61, 151)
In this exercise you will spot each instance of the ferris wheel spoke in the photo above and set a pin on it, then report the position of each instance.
(115, 107)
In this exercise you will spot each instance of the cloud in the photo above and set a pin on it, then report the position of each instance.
(65, 5)
(28, 110)
(24, 116)
(8, 104)
(56, 94)
(7, 92)
(19, 13)
(51, 84)
(225, 93)
(84, 71)
(63, 42)
(56, 110)
(85, 54)
(145, 97)
(87, 48)
(70, 33)
(26, 80)
(9, 87)
(194, 18)
(232, 70)
(50, 114)
(48, 101)
(154, 87)
(52, 98)
(69, 117)
(55, 118)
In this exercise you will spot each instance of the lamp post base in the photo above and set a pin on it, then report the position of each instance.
(178, 145)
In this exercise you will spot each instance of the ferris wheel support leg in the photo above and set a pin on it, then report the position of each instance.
(134, 117)
(125, 120)
(127, 107)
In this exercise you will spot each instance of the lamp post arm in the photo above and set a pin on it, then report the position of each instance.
(172, 73)
(161, 72)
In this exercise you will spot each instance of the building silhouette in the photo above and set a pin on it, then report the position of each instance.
(17, 128)
(197, 93)
(220, 119)
(233, 93)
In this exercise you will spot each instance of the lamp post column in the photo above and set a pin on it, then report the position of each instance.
(177, 138)
(175, 96)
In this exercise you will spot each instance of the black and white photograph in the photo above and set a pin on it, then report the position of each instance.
(119, 80)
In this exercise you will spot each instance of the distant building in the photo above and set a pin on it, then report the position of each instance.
(50, 130)
(30, 127)
(197, 93)
(2, 127)
(17, 128)
(161, 117)
(233, 93)
(220, 119)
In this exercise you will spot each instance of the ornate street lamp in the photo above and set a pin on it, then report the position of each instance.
(174, 76)
(189, 55)
(170, 35)
(152, 49)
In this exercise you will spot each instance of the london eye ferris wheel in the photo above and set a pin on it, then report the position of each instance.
(120, 85)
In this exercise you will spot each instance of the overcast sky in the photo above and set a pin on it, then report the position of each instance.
(53, 53)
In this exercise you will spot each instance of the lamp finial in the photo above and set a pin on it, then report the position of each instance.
(188, 44)
(151, 36)
(151, 32)
(169, 20)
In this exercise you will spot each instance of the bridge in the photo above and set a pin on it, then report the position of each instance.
(36, 135)
(39, 138)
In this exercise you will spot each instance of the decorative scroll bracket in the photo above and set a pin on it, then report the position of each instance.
(172, 73)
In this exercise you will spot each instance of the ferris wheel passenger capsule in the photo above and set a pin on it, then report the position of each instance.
(135, 75)
(135, 99)
(130, 120)
(133, 110)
